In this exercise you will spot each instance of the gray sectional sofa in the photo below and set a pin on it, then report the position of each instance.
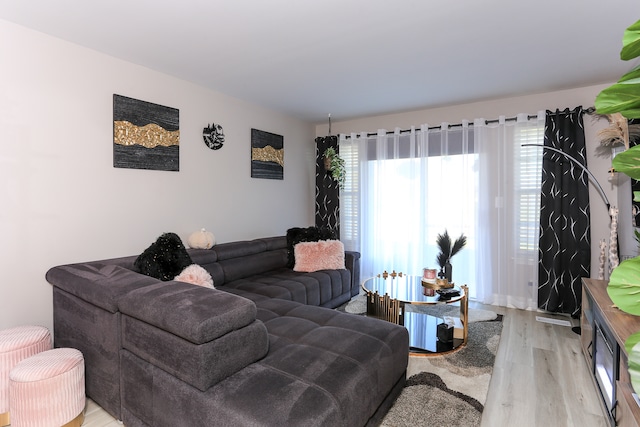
(264, 348)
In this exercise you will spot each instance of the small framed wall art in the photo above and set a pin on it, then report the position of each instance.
(267, 155)
(145, 135)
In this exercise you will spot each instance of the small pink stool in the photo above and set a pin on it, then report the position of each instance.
(17, 344)
(47, 390)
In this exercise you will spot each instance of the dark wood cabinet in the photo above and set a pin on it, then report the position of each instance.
(601, 321)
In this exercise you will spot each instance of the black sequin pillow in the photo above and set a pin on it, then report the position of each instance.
(164, 259)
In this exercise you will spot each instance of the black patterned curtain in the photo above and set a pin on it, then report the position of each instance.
(565, 248)
(327, 190)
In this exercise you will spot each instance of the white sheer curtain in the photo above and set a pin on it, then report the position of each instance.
(405, 188)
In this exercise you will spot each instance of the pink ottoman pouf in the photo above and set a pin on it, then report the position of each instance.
(17, 344)
(47, 389)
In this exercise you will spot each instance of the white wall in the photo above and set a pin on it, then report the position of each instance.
(597, 163)
(62, 201)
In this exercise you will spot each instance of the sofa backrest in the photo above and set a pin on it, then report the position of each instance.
(225, 262)
(236, 260)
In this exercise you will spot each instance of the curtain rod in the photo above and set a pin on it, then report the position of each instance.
(589, 110)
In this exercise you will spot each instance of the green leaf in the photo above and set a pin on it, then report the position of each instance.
(624, 285)
(630, 76)
(632, 345)
(631, 342)
(636, 197)
(633, 113)
(622, 97)
(631, 42)
(628, 162)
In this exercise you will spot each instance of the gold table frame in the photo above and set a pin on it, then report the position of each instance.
(392, 309)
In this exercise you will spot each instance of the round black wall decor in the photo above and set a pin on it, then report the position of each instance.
(213, 136)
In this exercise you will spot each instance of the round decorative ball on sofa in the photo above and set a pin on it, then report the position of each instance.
(47, 390)
(202, 239)
(17, 344)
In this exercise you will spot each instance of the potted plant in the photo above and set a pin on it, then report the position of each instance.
(334, 165)
(624, 97)
(447, 251)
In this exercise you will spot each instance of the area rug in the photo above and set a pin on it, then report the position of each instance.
(449, 390)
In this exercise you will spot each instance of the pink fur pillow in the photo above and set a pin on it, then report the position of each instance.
(196, 275)
(320, 255)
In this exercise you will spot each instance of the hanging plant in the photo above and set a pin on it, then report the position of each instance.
(334, 165)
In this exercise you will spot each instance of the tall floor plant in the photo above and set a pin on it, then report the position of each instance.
(624, 97)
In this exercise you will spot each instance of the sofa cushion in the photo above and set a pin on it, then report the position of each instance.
(194, 313)
(202, 256)
(200, 335)
(251, 265)
(239, 249)
(321, 255)
(344, 355)
(200, 365)
(327, 288)
(276, 242)
(164, 259)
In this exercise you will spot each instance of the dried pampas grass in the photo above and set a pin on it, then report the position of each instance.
(619, 131)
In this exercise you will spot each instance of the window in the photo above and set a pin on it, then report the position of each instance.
(527, 171)
(403, 189)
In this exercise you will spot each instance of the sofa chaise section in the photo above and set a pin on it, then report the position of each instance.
(323, 367)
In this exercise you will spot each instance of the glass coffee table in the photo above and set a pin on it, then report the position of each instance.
(402, 299)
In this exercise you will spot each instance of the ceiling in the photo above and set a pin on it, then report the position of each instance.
(351, 58)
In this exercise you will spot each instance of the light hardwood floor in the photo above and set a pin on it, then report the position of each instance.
(540, 378)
